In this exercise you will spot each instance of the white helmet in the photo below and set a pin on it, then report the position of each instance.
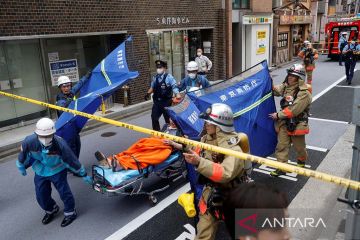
(297, 70)
(220, 115)
(306, 42)
(344, 33)
(62, 80)
(192, 66)
(45, 127)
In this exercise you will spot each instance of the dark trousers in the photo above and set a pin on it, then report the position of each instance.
(75, 145)
(341, 58)
(158, 109)
(43, 192)
(349, 69)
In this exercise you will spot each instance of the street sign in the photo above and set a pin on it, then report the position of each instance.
(64, 68)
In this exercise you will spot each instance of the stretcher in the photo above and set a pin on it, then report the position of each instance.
(131, 182)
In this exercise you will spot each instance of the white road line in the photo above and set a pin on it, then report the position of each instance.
(328, 88)
(316, 148)
(328, 120)
(289, 162)
(347, 86)
(282, 176)
(141, 219)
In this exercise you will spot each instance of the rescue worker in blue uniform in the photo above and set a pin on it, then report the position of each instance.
(163, 87)
(50, 157)
(193, 79)
(351, 52)
(63, 99)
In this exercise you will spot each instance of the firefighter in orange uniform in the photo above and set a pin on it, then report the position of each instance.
(292, 120)
(309, 55)
(218, 173)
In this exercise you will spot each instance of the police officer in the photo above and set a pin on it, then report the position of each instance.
(163, 87)
(63, 99)
(219, 173)
(50, 156)
(292, 120)
(309, 55)
(193, 79)
(342, 43)
(351, 51)
(203, 62)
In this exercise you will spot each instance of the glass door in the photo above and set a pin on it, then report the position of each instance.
(21, 74)
(178, 55)
(7, 105)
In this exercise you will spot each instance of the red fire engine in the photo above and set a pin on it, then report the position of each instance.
(333, 32)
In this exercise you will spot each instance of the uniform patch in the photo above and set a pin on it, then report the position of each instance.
(233, 141)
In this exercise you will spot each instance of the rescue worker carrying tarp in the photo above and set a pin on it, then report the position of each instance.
(309, 55)
(218, 173)
(292, 121)
(163, 87)
(50, 156)
(64, 98)
(193, 79)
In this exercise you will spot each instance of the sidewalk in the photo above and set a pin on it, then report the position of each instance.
(318, 199)
(11, 139)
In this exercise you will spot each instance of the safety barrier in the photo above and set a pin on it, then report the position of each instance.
(244, 156)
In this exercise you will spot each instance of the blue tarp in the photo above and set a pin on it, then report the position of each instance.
(250, 97)
(107, 77)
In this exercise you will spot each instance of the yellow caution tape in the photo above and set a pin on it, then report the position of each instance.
(244, 156)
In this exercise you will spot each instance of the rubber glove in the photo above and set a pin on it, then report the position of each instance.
(22, 170)
(88, 180)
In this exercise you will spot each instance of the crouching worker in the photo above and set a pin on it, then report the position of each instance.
(50, 157)
(218, 173)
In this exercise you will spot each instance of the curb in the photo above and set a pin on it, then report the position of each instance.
(316, 198)
(13, 148)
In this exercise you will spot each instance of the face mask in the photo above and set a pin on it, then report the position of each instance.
(199, 54)
(46, 141)
(192, 75)
(160, 71)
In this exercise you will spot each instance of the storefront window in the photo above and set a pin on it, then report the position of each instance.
(177, 47)
(21, 74)
(241, 4)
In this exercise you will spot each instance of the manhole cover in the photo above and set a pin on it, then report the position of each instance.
(108, 134)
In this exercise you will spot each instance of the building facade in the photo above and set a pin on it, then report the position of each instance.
(292, 26)
(252, 29)
(39, 36)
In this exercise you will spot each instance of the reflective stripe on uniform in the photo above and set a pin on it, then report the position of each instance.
(288, 112)
(298, 132)
(217, 172)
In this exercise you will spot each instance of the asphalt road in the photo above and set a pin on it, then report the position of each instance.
(101, 216)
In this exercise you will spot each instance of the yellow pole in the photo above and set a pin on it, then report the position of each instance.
(244, 156)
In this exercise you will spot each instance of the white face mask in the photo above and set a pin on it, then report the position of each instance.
(199, 54)
(46, 141)
(160, 71)
(192, 75)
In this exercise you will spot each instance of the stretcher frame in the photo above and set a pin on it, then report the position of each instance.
(135, 186)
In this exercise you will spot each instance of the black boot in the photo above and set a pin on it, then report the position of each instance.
(50, 216)
(68, 219)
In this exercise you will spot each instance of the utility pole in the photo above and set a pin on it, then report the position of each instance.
(352, 227)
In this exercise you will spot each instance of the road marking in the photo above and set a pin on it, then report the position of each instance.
(347, 86)
(143, 218)
(320, 149)
(328, 120)
(267, 172)
(289, 162)
(329, 88)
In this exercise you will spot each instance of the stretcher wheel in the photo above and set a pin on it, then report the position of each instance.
(153, 199)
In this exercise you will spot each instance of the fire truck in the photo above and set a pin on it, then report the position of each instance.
(333, 30)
